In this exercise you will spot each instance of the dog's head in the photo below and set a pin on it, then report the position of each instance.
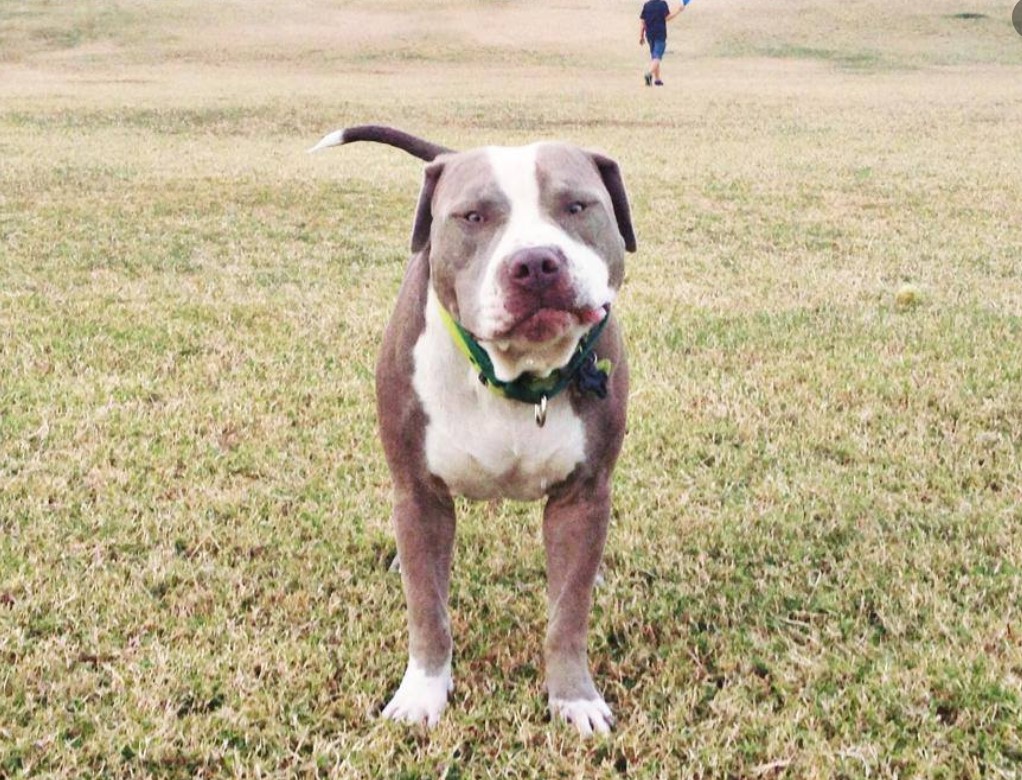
(526, 247)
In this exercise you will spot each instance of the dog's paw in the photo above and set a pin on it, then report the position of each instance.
(587, 715)
(421, 697)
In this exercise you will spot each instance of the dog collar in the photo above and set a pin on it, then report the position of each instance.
(589, 373)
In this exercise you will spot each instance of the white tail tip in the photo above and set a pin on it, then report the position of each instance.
(335, 138)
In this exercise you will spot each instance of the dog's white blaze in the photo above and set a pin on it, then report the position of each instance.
(481, 445)
(421, 697)
(528, 226)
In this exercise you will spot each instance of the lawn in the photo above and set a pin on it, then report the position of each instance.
(815, 560)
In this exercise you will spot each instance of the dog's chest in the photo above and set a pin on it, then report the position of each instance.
(483, 446)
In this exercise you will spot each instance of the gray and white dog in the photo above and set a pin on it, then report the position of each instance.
(502, 375)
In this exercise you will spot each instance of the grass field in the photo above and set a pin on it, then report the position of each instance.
(815, 563)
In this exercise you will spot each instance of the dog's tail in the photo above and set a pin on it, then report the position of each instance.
(417, 147)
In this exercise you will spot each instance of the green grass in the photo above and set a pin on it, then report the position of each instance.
(815, 565)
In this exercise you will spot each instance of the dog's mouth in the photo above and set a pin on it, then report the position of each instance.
(550, 324)
(542, 341)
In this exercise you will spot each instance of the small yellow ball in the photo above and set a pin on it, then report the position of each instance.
(908, 296)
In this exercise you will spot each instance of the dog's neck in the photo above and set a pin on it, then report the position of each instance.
(527, 387)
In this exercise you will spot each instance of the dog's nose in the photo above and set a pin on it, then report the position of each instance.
(535, 268)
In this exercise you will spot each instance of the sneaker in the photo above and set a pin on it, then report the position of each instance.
(649, 79)
(659, 83)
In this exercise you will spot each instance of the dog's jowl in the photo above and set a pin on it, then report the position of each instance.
(502, 375)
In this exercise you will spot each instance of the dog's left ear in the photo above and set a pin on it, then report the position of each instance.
(611, 176)
(424, 211)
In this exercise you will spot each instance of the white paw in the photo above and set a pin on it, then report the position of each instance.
(587, 715)
(421, 697)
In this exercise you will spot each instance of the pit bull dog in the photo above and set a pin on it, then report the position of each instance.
(502, 375)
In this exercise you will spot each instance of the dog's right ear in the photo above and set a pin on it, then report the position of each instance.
(424, 211)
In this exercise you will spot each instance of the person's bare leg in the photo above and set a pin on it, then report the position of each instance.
(655, 70)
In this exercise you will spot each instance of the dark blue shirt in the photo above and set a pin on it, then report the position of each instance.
(654, 14)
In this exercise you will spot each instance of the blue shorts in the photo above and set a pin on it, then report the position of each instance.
(656, 49)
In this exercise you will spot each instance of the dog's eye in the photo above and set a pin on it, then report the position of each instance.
(576, 207)
(474, 217)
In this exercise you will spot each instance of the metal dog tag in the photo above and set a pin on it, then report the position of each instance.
(540, 409)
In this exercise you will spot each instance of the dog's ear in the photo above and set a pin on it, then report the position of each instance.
(424, 211)
(611, 176)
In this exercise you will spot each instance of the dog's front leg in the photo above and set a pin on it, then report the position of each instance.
(424, 525)
(574, 530)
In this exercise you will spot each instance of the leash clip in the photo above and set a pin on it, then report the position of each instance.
(540, 410)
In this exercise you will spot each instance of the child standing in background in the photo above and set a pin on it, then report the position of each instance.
(655, 15)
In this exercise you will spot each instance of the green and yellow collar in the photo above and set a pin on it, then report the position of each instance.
(589, 373)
